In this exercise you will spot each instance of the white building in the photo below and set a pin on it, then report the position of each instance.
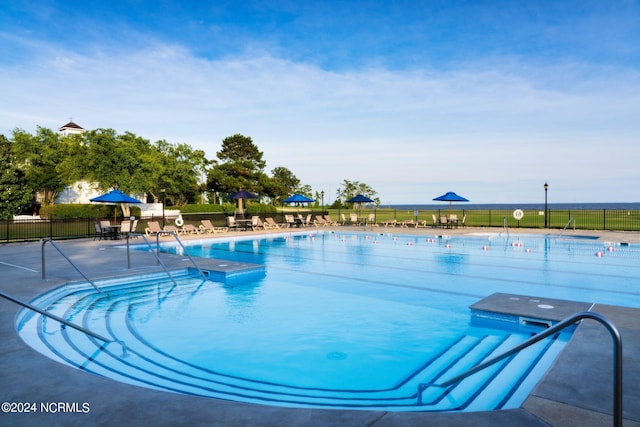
(70, 129)
(83, 191)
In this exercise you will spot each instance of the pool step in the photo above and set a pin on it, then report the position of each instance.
(148, 366)
(142, 363)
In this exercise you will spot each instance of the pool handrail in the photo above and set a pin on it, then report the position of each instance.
(157, 251)
(184, 249)
(567, 225)
(73, 264)
(505, 227)
(569, 321)
(164, 267)
(64, 322)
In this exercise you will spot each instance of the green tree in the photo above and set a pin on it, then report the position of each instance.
(41, 156)
(241, 167)
(352, 188)
(284, 183)
(15, 195)
(181, 170)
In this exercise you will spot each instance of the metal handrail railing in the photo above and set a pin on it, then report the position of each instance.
(569, 321)
(505, 226)
(65, 322)
(567, 224)
(157, 251)
(164, 267)
(184, 249)
(44, 242)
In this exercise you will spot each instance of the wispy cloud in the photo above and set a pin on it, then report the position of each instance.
(499, 124)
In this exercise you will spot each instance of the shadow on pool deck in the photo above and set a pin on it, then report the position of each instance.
(577, 390)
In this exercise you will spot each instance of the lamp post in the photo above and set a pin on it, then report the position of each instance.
(322, 198)
(163, 191)
(546, 210)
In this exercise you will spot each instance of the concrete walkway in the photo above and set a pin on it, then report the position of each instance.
(577, 391)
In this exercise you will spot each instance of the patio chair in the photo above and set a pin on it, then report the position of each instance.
(444, 221)
(371, 220)
(109, 231)
(153, 228)
(422, 223)
(231, 223)
(125, 227)
(272, 224)
(353, 219)
(320, 221)
(190, 229)
(100, 232)
(343, 219)
(207, 227)
(256, 223)
(290, 220)
(173, 229)
(435, 221)
(329, 220)
(407, 223)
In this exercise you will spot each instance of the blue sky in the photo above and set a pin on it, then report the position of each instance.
(414, 98)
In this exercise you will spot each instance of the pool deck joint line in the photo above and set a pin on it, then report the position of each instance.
(576, 391)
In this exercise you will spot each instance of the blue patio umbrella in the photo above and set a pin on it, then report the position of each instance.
(244, 194)
(359, 199)
(450, 197)
(240, 195)
(297, 198)
(115, 196)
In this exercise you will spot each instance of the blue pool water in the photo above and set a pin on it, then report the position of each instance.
(358, 320)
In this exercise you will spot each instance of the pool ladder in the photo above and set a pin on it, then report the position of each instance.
(505, 227)
(567, 225)
(156, 253)
(569, 321)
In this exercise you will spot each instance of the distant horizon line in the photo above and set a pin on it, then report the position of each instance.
(462, 204)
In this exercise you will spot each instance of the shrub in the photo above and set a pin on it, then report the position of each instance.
(83, 211)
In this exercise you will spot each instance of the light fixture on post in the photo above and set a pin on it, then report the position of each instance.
(322, 197)
(546, 210)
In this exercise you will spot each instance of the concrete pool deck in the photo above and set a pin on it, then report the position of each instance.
(577, 390)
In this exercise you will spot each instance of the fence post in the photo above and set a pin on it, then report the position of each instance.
(604, 219)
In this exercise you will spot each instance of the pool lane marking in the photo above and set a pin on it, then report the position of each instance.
(19, 266)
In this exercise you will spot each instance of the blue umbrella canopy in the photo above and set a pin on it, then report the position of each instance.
(451, 197)
(297, 198)
(359, 199)
(115, 196)
(244, 194)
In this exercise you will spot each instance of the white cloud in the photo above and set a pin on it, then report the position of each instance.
(405, 133)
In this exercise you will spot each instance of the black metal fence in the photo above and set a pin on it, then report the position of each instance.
(601, 219)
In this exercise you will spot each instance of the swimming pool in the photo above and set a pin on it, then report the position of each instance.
(357, 320)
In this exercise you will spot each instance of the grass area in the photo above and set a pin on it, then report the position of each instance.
(615, 220)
